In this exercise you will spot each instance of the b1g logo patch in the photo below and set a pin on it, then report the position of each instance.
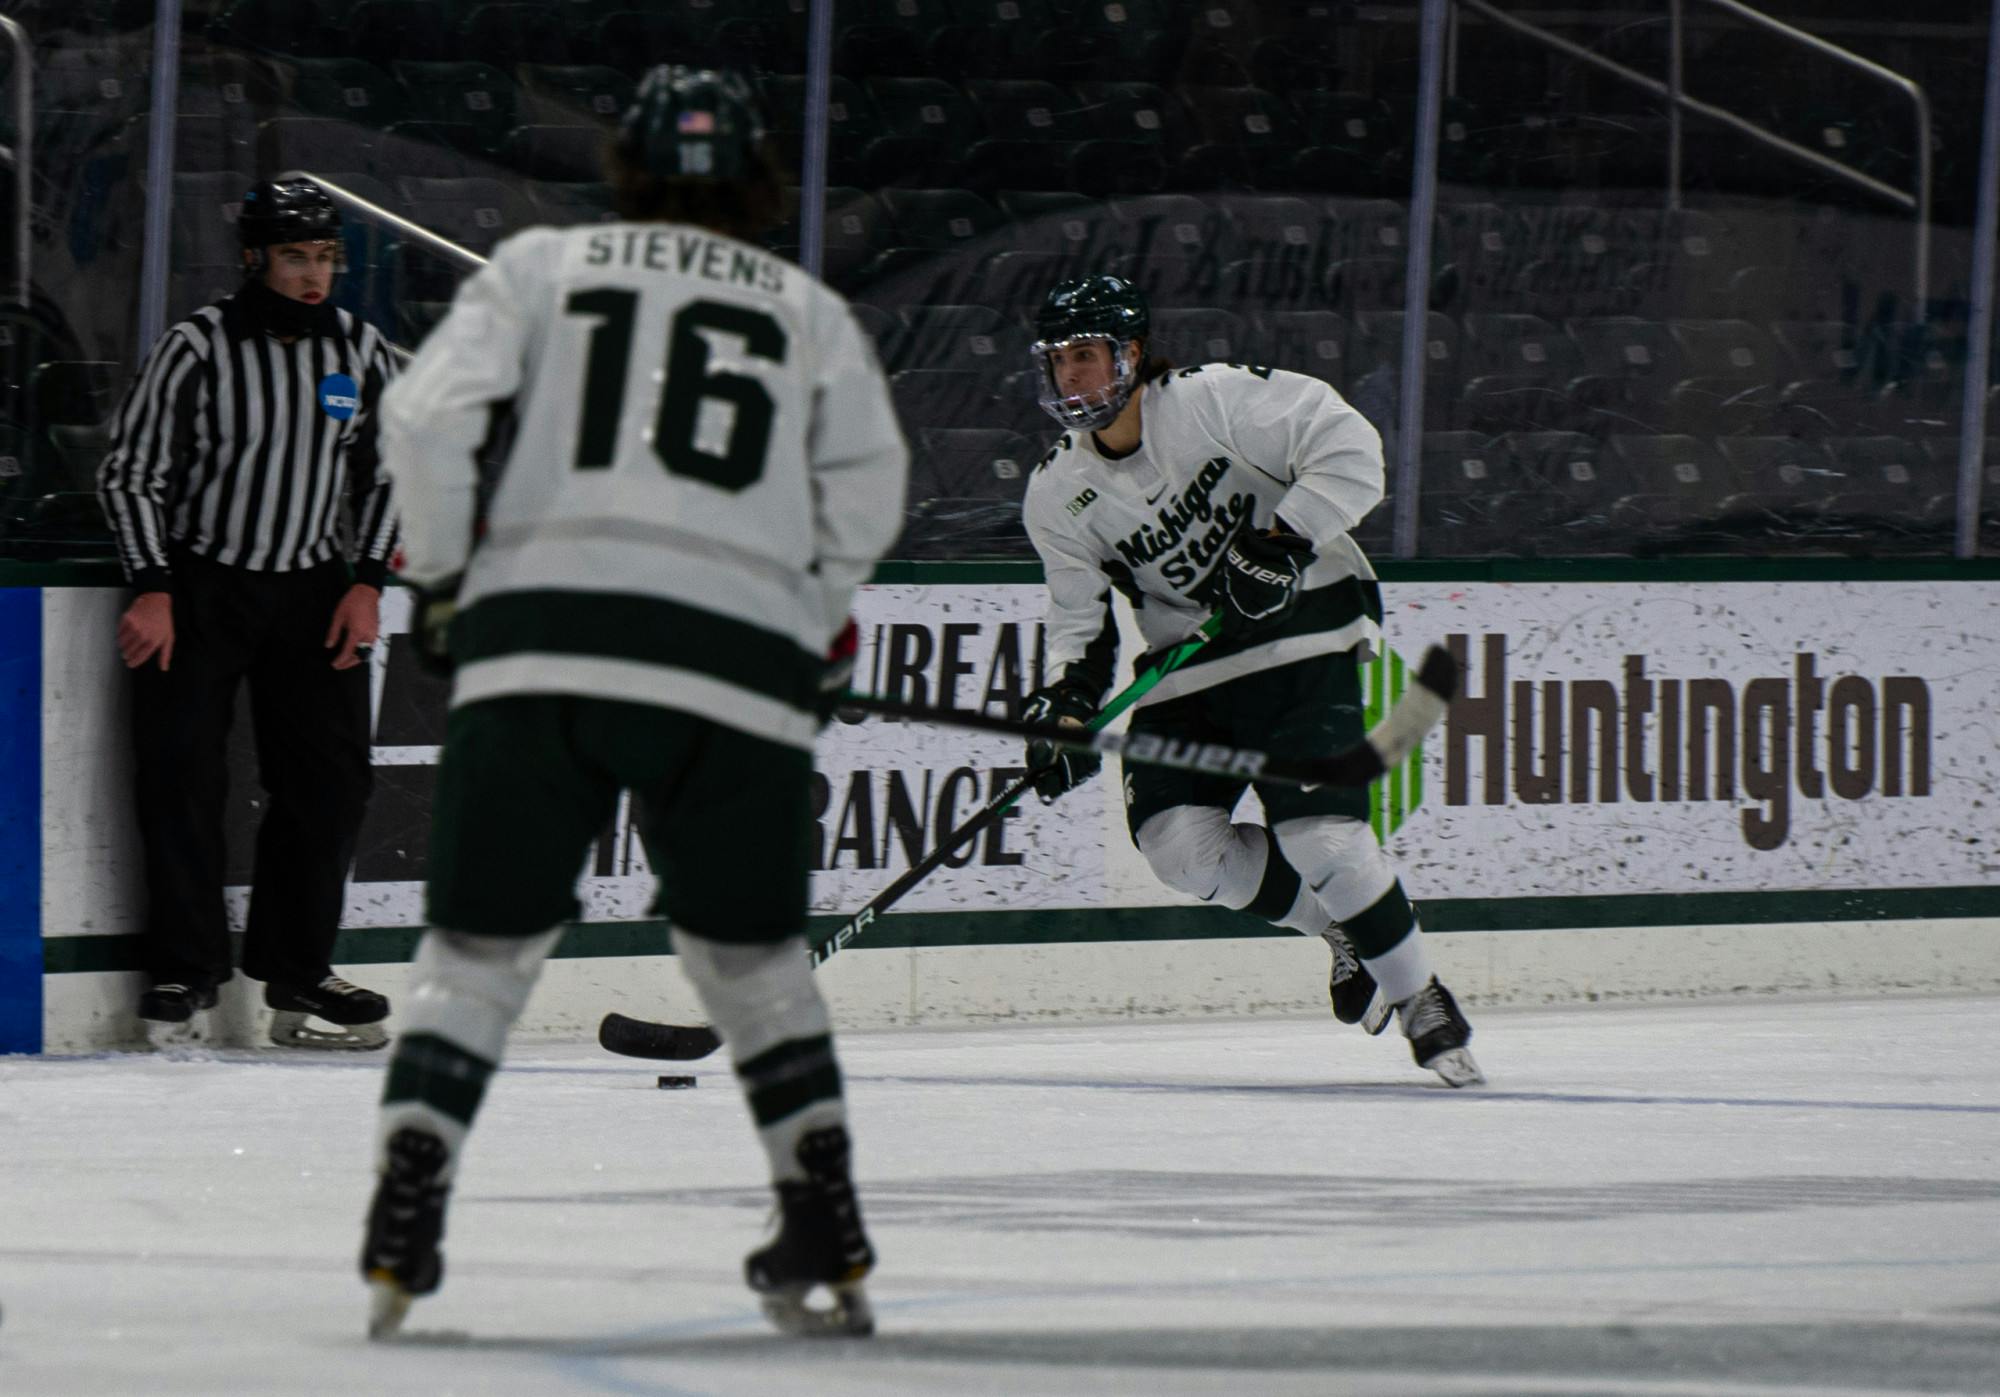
(339, 396)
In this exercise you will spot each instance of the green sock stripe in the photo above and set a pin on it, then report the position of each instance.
(1280, 888)
(1387, 921)
(438, 1073)
(786, 1079)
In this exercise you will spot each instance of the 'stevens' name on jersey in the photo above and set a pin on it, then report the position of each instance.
(1177, 522)
(664, 250)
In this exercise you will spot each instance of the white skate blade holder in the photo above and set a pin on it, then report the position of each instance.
(847, 1316)
(295, 1028)
(1378, 1014)
(1457, 1068)
(388, 1303)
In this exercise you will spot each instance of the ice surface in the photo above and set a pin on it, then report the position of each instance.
(1749, 1197)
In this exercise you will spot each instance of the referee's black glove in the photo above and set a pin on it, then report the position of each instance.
(1261, 574)
(1054, 769)
(436, 606)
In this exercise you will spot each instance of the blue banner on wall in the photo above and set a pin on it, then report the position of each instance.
(20, 820)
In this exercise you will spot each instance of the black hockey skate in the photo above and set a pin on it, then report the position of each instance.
(820, 1242)
(356, 1013)
(168, 1011)
(1351, 988)
(1438, 1034)
(400, 1259)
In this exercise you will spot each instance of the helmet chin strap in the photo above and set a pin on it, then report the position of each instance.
(1097, 409)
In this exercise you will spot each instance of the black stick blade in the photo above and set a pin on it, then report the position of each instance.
(660, 1041)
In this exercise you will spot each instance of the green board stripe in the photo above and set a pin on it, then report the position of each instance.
(388, 945)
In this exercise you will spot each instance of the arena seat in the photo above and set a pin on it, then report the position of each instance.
(1309, 342)
(469, 94)
(1203, 335)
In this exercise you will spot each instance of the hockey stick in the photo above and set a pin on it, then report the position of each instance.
(685, 1042)
(1391, 741)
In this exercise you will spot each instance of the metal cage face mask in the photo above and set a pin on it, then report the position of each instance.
(1085, 412)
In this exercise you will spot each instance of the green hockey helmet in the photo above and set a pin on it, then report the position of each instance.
(1098, 307)
(692, 123)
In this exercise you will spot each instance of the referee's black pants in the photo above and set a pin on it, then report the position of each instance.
(311, 724)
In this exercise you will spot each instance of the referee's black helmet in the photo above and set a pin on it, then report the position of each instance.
(287, 211)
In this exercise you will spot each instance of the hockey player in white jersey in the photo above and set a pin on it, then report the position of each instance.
(1228, 487)
(705, 466)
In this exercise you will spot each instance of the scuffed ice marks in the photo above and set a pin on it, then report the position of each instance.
(1146, 1203)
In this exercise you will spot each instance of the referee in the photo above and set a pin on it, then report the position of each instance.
(248, 428)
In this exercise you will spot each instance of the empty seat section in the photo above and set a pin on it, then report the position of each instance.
(1891, 490)
(1628, 369)
(474, 213)
(1032, 132)
(1477, 499)
(470, 95)
(386, 32)
(1274, 256)
(927, 126)
(559, 94)
(571, 153)
(1582, 484)
(1788, 488)
(514, 32)
(1308, 342)
(1201, 335)
(1681, 495)
(976, 339)
(1348, 143)
(1378, 350)
(852, 124)
(561, 204)
(1248, 139)
(894, 38)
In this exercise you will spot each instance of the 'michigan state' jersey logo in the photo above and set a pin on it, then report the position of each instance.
(1181, 522)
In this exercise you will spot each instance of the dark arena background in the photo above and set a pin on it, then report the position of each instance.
(1676, 319)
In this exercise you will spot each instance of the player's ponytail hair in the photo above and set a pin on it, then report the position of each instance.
(746, 208)
(1152, 366)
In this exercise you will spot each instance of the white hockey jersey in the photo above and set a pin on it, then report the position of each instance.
(1220, 443)
(706, 464)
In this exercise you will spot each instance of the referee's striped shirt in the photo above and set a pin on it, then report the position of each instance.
(243, 449)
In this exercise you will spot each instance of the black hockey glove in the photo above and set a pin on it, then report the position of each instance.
(1260, 578)
(837, 671)
(1053, 769)
(436, 606)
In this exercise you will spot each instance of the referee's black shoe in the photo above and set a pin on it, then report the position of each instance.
(171, 1002)
(355, 1013)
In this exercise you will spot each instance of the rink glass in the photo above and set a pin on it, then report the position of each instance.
(1621, 358)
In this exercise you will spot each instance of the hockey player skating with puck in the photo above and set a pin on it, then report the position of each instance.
(706, 465)
(1227, 487)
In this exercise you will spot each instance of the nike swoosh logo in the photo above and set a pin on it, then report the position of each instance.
(1155, 499)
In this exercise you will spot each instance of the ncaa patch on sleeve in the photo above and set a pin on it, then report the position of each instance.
(338, 396)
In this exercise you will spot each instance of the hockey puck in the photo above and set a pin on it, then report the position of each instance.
(675, 1083)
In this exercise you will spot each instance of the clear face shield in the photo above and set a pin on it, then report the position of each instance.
(1092, 410)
